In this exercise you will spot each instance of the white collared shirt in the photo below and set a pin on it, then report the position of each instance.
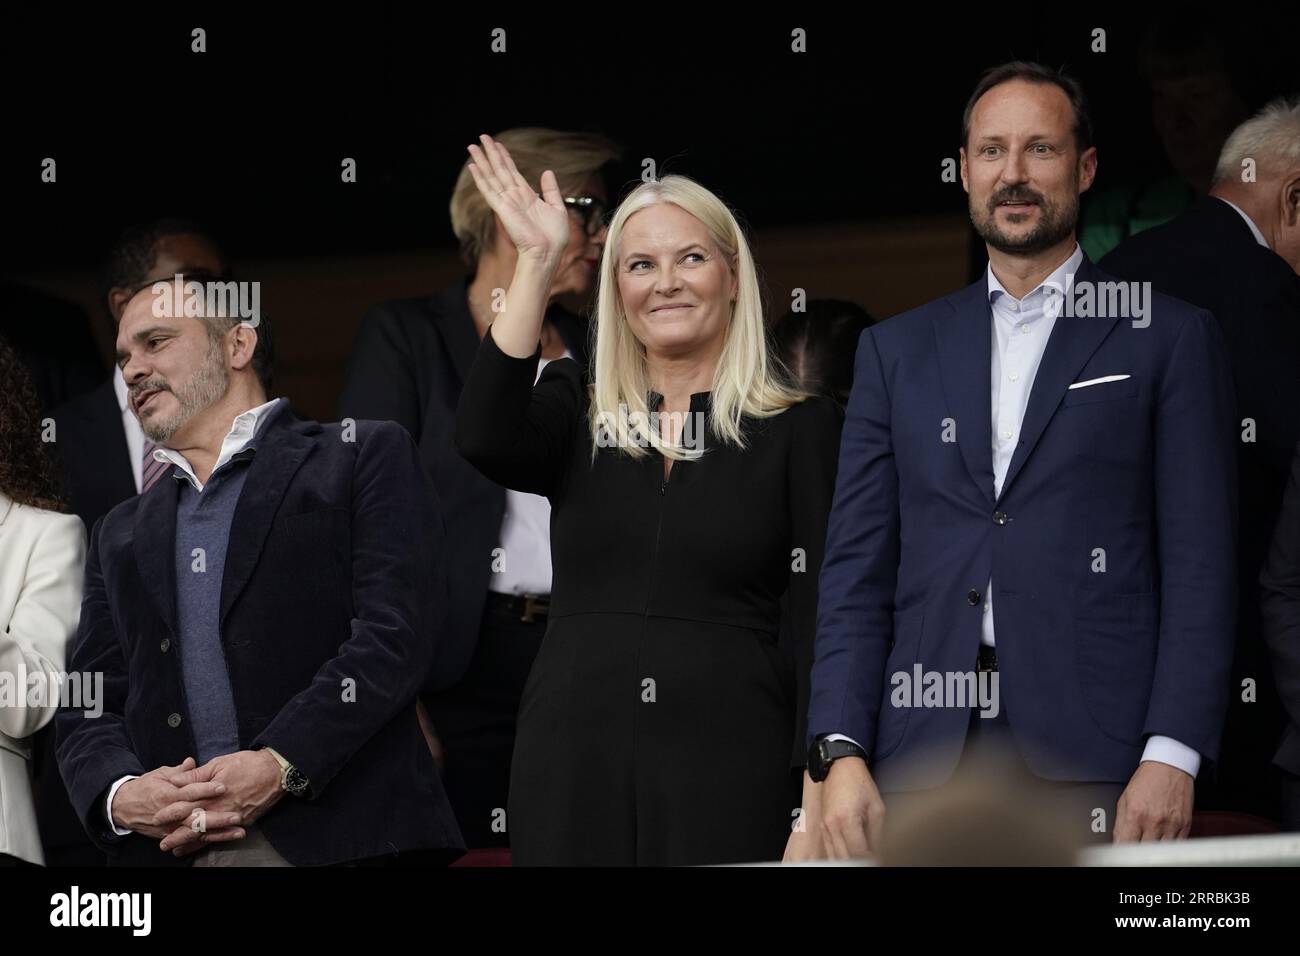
(1254, 229)
(131, 426)
(526, 538)
(241, 433)
(1021, 328)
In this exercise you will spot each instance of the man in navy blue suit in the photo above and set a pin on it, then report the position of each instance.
(263, 615)
(1032, 540)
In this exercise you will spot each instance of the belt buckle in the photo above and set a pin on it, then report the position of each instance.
(985, 664)
(534, 604)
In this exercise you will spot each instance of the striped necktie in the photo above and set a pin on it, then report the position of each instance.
(150, 470)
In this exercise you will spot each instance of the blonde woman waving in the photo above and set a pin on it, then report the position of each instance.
(690, 483)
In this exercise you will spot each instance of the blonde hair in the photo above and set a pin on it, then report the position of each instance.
(749, 379)
(573, 157)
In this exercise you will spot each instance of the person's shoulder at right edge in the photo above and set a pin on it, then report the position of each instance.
(517, 434)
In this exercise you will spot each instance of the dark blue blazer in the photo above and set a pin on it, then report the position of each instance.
(333, 585)
(1091, 663)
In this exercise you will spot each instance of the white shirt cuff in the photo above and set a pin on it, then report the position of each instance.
(108, 805)
(1164, 750)
(1169, 751)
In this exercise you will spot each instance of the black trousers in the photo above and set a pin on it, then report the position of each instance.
(475, 721)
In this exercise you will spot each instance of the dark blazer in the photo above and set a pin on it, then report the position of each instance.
(1280, 582)
(1208, 257)
(333, 580)
(91, 448)
(409, 363)
(1090, 663)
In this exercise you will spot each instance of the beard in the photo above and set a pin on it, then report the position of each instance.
(1056, 221)
(206, 386)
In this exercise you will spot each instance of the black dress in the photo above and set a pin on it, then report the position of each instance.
(663, 717)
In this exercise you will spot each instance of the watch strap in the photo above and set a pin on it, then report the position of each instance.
(826, 751)
(291, 778)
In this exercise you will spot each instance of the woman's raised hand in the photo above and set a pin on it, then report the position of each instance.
(538, 225)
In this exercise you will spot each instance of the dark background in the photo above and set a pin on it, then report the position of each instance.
(832, 157)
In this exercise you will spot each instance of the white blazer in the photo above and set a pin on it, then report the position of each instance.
(42, 565)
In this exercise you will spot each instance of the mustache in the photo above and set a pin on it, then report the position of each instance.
(156, 384)
(1014, 194)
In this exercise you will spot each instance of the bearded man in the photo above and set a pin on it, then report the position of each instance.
(1033, 492)
(263, 614)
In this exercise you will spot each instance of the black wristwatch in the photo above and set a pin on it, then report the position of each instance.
(293, 780)
(825, 752)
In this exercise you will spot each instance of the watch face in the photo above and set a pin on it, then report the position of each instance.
(294, 781)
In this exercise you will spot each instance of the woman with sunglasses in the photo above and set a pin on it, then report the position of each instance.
(408, 365)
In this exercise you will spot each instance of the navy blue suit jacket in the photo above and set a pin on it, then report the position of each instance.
(332, 593)
(1091, 663)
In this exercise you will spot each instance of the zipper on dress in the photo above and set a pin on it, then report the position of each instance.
(645, 628)
(659, 527)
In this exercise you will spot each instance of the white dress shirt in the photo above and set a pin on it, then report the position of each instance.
(130, 425)
(1021, 328)
(241, 433)
(236, 440)
(526, 538)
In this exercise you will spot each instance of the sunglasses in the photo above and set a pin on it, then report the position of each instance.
(591, 211)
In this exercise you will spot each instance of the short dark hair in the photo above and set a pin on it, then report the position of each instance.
(132, 256)
(1033, 73)
(263, 353)
(817, 346)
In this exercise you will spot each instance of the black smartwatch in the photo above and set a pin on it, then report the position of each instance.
(825, 752)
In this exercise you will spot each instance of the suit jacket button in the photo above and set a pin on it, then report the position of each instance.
(1000, 518)
(165, 645)
(174, 721)
(972, 598)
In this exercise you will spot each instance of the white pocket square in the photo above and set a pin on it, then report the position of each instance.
(1098, 381)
